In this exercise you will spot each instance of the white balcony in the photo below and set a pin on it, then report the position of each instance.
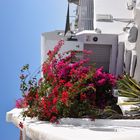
(75, 129)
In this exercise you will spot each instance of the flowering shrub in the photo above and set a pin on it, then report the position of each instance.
(68, 87)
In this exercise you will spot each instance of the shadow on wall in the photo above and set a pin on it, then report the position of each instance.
(137, 70)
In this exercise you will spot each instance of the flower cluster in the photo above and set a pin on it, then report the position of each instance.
(68, 88)
(103, 83)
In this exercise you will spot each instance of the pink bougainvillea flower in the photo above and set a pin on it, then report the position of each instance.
(53, 119)
(69, 87)
(54, 110)
(91, 85)
(55, 100)
(101, 82)
(21, 103)
(40, 81)
(21, 125)
(69, 84)
(87, 52)
(64, 97)
(83, 96)
(98, 73)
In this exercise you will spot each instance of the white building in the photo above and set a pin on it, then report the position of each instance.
(108, 39)
(114, 44)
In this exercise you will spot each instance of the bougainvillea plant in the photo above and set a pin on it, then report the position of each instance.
(68, 87)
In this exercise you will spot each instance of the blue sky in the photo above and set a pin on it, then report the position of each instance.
(21, 25)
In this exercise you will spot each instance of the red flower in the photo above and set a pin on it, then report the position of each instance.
(101, 82)
(37, 96)
(83, 96)
(64, 98)
(54, 110)
(54, 101)
(91, 85)
(21, 125)
(21, 103)
(44, 68)
(43, 102)
(68, 84)
(99, 73)
(53, 119)
(40, 81)
(112, 79)
(87, 51)
(62, 81)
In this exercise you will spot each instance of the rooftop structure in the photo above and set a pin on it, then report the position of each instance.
(90, 33)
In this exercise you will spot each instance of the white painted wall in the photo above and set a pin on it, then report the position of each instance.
(103, 39)
(48, 43)
(117, 8)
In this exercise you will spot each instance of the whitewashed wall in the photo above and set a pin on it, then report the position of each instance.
(48, 43)
(117, 8)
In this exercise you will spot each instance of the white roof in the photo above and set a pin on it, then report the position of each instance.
(86, 32)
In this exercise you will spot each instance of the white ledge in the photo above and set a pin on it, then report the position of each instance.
(75, 129)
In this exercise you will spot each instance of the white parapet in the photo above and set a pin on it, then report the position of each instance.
(76, 129)
(50, 39)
